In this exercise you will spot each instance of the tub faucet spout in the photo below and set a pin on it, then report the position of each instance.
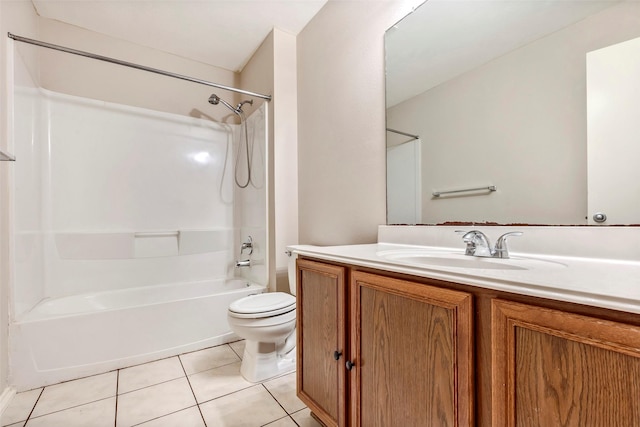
(244, 263)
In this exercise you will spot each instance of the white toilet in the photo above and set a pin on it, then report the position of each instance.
(268, 324)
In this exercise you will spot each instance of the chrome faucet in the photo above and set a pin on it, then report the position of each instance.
(501, 250)
(478, 244)
(247, 245)
(244, 263)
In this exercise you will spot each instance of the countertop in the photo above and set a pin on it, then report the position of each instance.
(613, 284)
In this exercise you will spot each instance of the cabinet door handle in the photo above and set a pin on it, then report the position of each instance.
(337, 354)
(349, 365)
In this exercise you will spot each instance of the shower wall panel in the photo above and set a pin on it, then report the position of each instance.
(127, 197)
(251, 208)
(28, 232)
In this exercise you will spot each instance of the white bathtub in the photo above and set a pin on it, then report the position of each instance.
(72, 337)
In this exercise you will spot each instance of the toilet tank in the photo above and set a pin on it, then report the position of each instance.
(292, 272)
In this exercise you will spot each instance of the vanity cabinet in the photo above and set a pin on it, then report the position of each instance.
(407, 358)
(412, 350)
(321, 328)
(378, 348)
(553, 368)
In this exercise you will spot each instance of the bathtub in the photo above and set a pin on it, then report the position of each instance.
(71, 337)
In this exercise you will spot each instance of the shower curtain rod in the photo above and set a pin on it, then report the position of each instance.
(132, 65)
(403, 133)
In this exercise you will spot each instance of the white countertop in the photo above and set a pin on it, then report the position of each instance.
(607, 283)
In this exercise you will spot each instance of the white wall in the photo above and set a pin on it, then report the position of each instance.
(341, 121)
(518, 122)
(285, 152)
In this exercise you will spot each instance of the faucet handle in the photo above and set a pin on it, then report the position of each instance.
(501, 250)
(248, 244)
(470, 249)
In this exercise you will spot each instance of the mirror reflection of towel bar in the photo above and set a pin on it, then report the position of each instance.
(490, 188)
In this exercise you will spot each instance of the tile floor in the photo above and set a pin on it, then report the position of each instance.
(199, 389)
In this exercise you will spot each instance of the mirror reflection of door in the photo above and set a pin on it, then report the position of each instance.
(613, 134)
(404, 200)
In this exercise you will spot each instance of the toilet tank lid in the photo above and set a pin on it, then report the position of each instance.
(262, 303)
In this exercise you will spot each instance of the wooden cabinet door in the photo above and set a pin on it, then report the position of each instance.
(552, 368)
(321, 330)
(412, 350)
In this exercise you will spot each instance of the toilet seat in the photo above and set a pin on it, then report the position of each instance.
(262, 305)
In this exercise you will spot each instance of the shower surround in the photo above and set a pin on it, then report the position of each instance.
(127, 224)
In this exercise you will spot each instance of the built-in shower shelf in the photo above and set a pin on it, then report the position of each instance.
(6, 157)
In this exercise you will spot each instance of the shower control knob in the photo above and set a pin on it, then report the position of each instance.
(349, 365)
(337, 354)
(600, 217)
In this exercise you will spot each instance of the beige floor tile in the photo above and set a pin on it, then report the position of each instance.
(284, 390)
(208, 358)
(282, 422)
(77, 392)
(153, 402)
(152, 373)
(20, 424)
(246, 408)
(96, 414)
(217, 382)
(20, 407)
(186, 418)
(304, 419)
(238, 347)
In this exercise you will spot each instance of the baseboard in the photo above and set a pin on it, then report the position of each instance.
(6, 397)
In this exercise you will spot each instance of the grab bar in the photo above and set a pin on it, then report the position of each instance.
(440, 193)
(157, 234)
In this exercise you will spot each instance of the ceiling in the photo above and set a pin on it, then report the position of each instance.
(223, 33)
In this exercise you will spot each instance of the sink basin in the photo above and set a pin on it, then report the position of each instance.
(434, 258)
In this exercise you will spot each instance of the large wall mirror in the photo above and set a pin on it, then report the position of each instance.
(514, 112)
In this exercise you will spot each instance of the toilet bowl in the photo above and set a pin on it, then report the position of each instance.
(267, 322)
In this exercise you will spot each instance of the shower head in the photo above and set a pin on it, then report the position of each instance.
(215, 100)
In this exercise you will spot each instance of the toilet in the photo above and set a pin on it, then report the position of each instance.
(267, 322)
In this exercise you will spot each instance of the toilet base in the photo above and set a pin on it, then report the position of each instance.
(261, 361)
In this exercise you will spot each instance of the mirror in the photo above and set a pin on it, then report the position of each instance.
(514, 112)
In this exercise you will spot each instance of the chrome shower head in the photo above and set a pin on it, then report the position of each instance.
(215, 100)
